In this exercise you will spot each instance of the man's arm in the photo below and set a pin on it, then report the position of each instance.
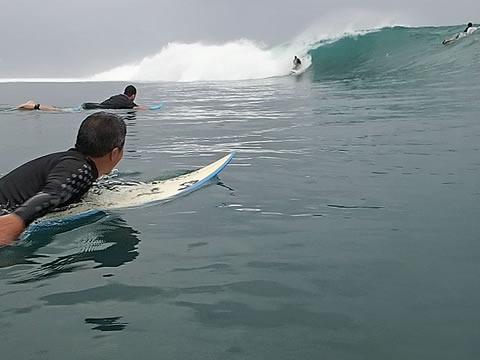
(11, 226)
(67, 181)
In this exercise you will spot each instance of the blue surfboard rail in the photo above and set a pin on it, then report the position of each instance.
(209, 176)
(156, 107)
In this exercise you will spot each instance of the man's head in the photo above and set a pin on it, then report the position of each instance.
(470, 24)
(130, 91)
(100, 133)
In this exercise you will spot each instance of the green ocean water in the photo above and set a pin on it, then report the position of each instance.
(345, 228)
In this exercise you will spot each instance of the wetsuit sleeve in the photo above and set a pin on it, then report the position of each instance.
(129, 104)
(66, 183)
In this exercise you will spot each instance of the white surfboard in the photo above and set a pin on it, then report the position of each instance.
(134, 194)
(454, 38)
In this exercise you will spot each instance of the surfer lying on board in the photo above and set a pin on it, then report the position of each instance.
(120, 101)
(468, 30)
(296, 63)
(60, 179)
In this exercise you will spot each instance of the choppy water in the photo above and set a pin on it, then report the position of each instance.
(345, 228)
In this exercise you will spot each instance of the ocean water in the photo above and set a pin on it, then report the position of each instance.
(346, 227)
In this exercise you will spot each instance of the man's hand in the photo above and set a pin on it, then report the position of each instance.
(11, 226)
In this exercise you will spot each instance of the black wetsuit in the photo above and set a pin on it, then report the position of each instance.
(120, 101)
(41, 185)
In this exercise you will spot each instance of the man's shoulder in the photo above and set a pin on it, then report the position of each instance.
(71, 156)
(114, 98)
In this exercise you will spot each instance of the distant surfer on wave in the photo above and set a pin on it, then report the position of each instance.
(120, 101)
(57, 180)
(468, 30)
(297, 63)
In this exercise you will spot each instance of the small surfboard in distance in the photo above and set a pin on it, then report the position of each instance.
(97, 106)
(454, 38)
(155, 107)
(133, 195)
(299, 71)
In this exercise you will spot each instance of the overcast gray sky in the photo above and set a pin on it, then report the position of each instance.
(70, 38)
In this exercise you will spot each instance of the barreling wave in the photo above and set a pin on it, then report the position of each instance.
(404, 52)
(378, 53)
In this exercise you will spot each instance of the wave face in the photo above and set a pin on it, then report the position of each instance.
(396, 52)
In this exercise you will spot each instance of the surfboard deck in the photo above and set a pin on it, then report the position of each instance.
(454, 38)
(300, 71)
(134, 195)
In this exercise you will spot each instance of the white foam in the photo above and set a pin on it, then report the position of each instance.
(238, 60)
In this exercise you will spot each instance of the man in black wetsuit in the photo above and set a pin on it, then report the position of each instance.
(120, 101)
(60, 179)
(296, 63)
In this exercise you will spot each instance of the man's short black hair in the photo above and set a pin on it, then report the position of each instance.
(100, 133)
(130, 90)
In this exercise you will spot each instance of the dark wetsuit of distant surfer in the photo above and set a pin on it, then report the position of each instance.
(296, 63)
(120, 101)
(469, 25)
(52, 181)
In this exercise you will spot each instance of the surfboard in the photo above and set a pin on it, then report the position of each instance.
(454, 38)
(98, 106)
(299, 71)
(156, 107)
(133, 195)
